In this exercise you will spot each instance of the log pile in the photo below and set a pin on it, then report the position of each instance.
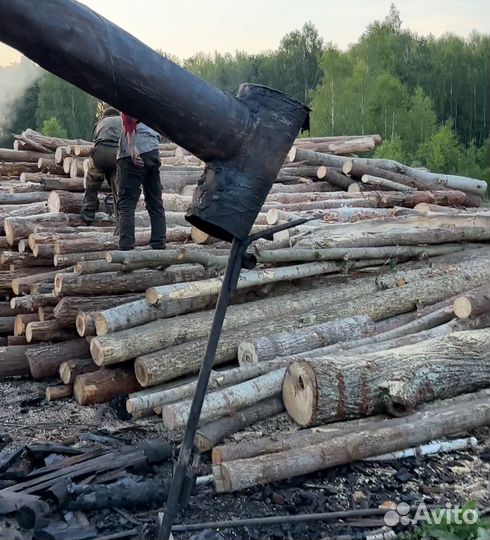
(374, 308)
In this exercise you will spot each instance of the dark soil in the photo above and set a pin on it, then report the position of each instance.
(456, 477)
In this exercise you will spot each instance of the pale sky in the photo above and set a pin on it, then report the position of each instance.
(187, 26)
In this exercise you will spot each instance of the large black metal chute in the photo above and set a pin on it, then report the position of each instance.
(242, 140)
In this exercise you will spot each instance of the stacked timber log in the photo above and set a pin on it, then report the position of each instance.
(357, 315)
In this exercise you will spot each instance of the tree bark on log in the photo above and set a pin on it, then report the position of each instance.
(69, 259)
(211, 434)
(397, 380)
(252, 278)
(24, 198)
(105, 242)
(473, 303)
(9, 169)
(345, 254)
(54, 393)
(21, 227)
(70, 369)
(294, 440)
(68, 307)
(16, 340)
(133, 260)
(64, 184)
(311, 187)
(47, 331)
(383, 183)
(13, 361)
(437, 421)
(7, 325)
(140, 312)
(45, 360)
(104, 384)
(23, 284)
(470, 185)
(261, 349)
(404, 230)
(67, 202)
(334, 177)
(123, 282)
(227, 401)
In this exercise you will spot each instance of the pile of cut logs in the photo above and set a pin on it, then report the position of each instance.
(376, 306)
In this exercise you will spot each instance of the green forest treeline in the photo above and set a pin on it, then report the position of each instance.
(428, 98)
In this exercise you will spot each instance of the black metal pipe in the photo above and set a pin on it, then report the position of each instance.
(82, 47)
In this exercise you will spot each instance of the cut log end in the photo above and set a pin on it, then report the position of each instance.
(462, 307)
(59, 392)
(354, 188)
(321, 172)
(101, 325)
(247, 354)
(347, 167)
(152, 296)
(292, 155)
(200, 237)
(97, 352)
(272, 216)
(300, 394)
(142, 376)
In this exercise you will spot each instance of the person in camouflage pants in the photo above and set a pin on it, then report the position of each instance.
(107, 132)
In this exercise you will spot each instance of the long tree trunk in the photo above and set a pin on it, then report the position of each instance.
(133, 260)
(436, 422)
(396, 380)
(123, 282)
(403, 230)
(261, 349)
(154, 397)
(68, 307)
(140, 312)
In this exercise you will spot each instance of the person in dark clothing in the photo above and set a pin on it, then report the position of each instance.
(138, 164)
(107, 132)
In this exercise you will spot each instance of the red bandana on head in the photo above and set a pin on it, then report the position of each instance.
(129, 123)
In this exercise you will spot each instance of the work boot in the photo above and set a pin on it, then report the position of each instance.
(88, 215)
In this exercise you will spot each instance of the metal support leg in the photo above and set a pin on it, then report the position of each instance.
(228, 288)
